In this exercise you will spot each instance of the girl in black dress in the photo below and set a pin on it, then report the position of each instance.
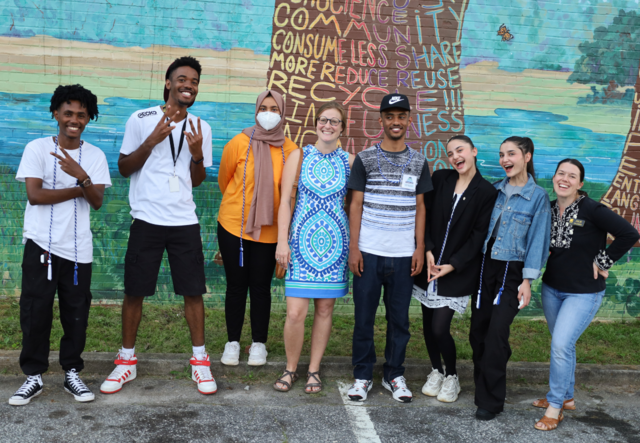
(458, 213)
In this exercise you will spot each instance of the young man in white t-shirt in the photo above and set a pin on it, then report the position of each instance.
(163, 172)
(64, 177)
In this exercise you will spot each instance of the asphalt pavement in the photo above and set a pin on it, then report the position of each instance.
(247, 409)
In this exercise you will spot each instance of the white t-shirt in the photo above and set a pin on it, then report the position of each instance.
(37, 162)
(149, 193)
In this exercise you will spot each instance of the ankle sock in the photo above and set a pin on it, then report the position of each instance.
(127, 354)
(199, 352)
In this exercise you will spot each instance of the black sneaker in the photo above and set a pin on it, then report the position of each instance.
(30, 389)
(74, 386)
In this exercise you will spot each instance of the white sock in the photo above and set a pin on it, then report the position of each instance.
(199, 352)
(127, 354)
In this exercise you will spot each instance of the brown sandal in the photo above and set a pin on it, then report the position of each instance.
(313, 385)
(543, 403)
(548, 423)
(294, 378)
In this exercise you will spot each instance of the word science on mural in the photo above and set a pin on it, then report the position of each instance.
(357, 51)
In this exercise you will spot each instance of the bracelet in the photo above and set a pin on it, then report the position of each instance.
(197, 162)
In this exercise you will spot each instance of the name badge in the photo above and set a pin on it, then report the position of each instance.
(174, 183)
(409, 182)
(576, 222)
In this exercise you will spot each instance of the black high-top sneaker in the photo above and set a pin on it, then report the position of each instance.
(30, 389)
(74, 386)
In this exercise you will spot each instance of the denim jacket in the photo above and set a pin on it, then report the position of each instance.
(525, 227)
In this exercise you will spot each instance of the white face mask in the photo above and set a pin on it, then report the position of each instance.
(268, 120)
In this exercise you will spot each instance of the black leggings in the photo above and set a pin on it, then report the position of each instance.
(436, 324)
(255, 276)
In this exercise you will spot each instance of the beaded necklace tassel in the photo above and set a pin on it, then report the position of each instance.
(244, 185)
(496, 301)
(75, 221)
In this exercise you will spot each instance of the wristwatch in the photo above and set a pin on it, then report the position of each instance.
(84, 184)
(197, 162)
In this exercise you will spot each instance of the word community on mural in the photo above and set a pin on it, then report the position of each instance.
(357, 51)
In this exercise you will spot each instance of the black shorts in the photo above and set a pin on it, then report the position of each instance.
(146, 246)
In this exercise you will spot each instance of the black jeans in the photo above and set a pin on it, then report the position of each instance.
(255, 276)
(394, 275)
(36, 310)
(489, 332)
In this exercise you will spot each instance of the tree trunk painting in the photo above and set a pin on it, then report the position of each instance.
(623, 195)
(357, 51)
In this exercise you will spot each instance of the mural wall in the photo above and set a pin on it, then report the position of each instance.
(563, 73)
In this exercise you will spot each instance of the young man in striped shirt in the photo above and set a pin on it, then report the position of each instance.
(387, 223)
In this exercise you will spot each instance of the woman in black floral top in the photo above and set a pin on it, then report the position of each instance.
(574, 282)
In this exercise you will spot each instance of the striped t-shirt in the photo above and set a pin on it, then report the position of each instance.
(390, 182)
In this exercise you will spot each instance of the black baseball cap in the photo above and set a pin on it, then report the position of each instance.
(395, 101)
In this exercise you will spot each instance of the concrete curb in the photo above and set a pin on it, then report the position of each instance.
(164, 365)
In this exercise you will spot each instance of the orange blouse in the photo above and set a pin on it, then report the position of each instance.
(230, 182)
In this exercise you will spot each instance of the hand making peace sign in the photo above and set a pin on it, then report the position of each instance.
(163, 128)
(69, 165)
(194, 140)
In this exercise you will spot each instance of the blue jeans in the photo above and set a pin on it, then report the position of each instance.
(394, 275)
(568, 316)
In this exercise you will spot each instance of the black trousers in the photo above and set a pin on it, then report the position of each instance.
(255, 276)
(489, 333)
(36, 310)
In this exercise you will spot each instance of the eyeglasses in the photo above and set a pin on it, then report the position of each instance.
(333, 121)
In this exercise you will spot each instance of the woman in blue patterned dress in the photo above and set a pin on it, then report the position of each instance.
(316, 247)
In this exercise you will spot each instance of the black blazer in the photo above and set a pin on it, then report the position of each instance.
(467, 232)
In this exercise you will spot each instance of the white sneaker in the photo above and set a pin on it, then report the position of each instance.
(124, 372)
(231, 354)
(201, 374)
(434, 383)
(398, 387)
(450, 389)
(257, 354)
(359, 390)
(29, 389)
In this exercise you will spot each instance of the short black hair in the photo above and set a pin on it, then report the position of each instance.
(184, 61)
(64, 94)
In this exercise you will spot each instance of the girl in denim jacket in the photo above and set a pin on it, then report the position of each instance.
(515, 251)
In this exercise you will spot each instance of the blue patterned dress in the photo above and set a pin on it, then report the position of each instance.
(319, 235)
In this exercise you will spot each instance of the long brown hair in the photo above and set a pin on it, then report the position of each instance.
(525, 144)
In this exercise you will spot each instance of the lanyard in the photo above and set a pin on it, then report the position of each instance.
(456, 200)
(173, 148)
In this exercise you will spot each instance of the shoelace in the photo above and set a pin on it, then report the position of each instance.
(448, 384)
(118, 372)
(360, 384)
(204, 373)
(400, 383)
(75, 382)
(32, 381)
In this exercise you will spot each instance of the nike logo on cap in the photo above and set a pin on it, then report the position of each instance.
(394, 100)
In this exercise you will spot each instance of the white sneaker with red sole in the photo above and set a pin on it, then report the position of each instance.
(201, 374)
(124, 372)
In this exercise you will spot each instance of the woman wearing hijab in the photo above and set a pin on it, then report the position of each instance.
(249, 178)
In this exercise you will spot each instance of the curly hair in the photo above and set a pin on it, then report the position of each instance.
(64, 94)
(178, 63)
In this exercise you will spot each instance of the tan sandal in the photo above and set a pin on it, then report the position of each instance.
(313, 385)
(287, 388)
(548, 423)
(543, 403)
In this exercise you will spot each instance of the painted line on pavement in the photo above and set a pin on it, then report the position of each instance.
(361, 423)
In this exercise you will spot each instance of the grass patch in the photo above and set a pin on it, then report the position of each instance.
(164, 329)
